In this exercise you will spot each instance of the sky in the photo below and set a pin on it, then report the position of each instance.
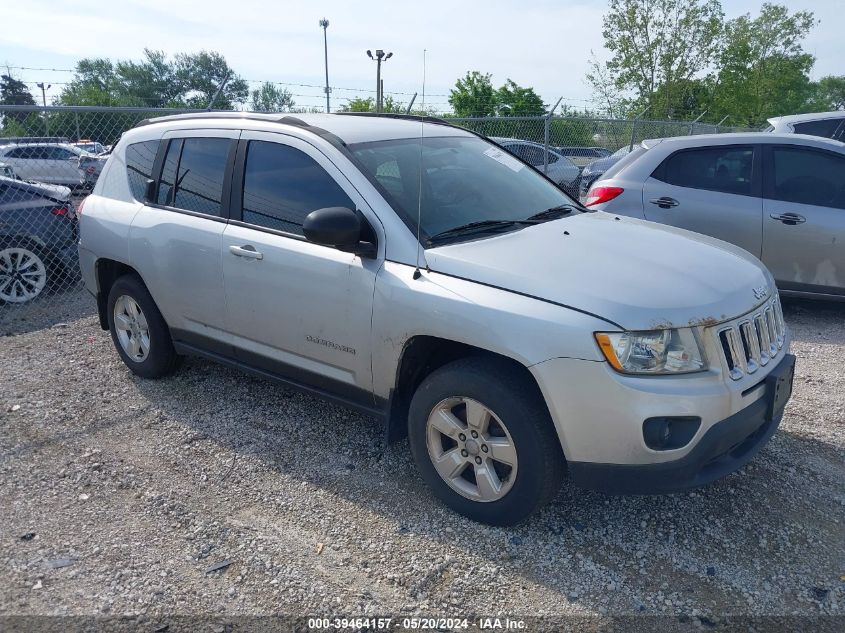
(545, 44)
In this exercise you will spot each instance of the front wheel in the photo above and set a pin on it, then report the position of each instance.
(484, 442)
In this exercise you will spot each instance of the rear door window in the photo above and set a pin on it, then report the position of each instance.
(166, 185)
(726, 169)
(193, 173)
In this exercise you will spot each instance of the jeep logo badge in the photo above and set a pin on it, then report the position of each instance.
(761, 292)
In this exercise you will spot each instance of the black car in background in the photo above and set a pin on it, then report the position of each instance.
(38, 235)
(594, 170)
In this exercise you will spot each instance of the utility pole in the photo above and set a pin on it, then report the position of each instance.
(379, 57)
(325, 24)
(44, 101)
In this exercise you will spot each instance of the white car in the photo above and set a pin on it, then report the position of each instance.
(53, 163)
(826, 124)
(446, 289)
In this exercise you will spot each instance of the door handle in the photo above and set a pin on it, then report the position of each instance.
(790, 219)
(665, 202)
(247, 251)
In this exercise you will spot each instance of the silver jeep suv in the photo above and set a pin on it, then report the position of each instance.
(419, 273)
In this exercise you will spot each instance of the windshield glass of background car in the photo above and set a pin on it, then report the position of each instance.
(465, 179)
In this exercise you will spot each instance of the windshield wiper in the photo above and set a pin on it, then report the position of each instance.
(553, 213)
(476, 227)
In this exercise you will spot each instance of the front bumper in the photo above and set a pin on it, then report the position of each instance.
(724, 448)
(599, 413)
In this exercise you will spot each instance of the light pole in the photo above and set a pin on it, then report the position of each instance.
(380, 55)
(325, 24)
(44, 90)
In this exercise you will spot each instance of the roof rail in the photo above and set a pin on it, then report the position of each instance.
(204, 114)
(407, 117)
(284, 119)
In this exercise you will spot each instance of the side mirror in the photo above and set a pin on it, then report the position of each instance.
(338, 227)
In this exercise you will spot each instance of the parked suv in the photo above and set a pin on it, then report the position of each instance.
(826, 124)
(781, 197)
(448, 289)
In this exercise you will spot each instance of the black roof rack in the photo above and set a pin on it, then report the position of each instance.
(407, 117)
(248, 116)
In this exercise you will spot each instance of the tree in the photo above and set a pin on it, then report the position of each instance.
(368, 104)
(829, 93)
(190, 80)
(14, 92)
(269, 98)
(659, 44)
(607, 96)
(201, 74)
(514, 100)
(473, 95)
(764, 70)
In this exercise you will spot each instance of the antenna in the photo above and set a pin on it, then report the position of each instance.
(417, 273)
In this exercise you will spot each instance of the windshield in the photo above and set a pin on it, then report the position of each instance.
(465, 180)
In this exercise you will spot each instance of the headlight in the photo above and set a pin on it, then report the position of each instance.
(652, 352)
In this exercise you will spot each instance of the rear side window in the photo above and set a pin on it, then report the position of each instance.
(192, 176)
(807, 176)
(826, 127)
(724, 169)
(139, 166)
(282, 185)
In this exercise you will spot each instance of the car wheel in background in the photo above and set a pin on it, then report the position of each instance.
(484, 442)
(138, 330)
(23, 273)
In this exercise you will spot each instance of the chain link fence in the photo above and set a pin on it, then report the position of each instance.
(50, 158)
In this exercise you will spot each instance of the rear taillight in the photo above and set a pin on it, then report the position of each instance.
(597, 195)
(60, 211)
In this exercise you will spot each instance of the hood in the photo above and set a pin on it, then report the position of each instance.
(636, 274)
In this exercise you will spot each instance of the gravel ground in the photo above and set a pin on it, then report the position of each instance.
(118, 495)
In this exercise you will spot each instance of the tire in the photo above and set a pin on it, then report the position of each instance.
(24, 273)
(516, 416)
(138, 330)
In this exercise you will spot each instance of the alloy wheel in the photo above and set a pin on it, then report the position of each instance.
(23, 274)
(471, 449)
(131, 328)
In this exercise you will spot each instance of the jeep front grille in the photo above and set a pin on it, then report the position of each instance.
(754, 340)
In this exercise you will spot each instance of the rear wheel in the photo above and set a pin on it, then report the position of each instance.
(484, 442)
(138, 330)
(23, 273)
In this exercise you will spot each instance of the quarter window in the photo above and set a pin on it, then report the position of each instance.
(808, 177)
(282, 185)
(724, 169)
(139, 166)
